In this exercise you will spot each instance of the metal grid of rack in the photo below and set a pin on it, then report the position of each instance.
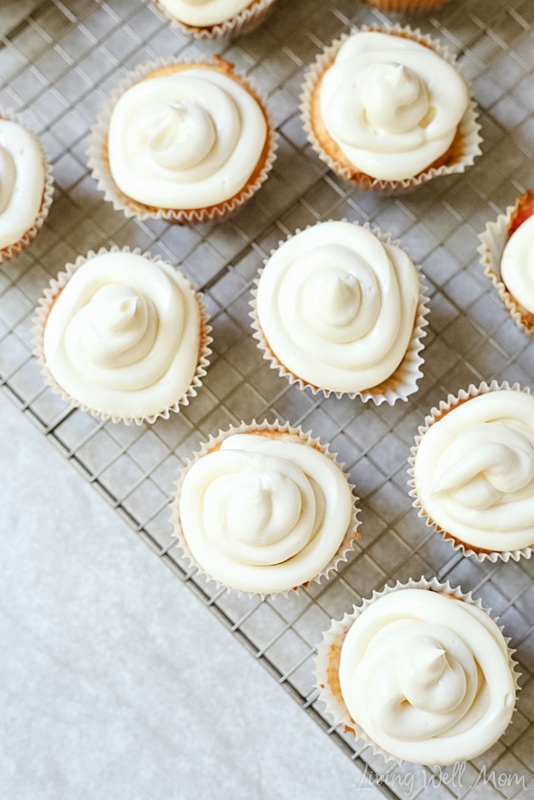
(58, 63)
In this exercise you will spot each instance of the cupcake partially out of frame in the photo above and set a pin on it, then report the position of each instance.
(507, 253)
(340, 308)
(387, 109)
(213, 19)
(472, 471)
(420, 672)
(123, 336)
(406, 6)
(25, 185)
(183, 142)
(264, 508)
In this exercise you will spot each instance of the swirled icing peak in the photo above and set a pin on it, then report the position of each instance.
(123, 335)
(391, 104)
(337, 306)
(517, 264)
(474, 471)
(180, 134)
(394, 99)
(190, 139)
(264, 514)
(204, 12)
(22, 179)
(427, 677)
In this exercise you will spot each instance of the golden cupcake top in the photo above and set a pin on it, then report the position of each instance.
(22, 181)
(122, 335)
(517, 262)
(337, 306)
(391, 104)
(427, 676)
(204, 12)
(473, 471)
(264, 511)
(186, 137)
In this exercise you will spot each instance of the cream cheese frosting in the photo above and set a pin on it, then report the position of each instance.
(517, 264)
(22, 179)
(187, 140)
(337, 306)
(263, 514)
(427, 677)
(204, 12)
(391, 104)
(474, 471)
(123, 335)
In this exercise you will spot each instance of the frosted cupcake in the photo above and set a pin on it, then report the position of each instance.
(183, 142)
(405, 6)
(420, 672)
(123, 335)
(264, 508)
(507, 252)
(387, 109)
(25, 185)
(472, 471)
(340, 308)
(212, 19)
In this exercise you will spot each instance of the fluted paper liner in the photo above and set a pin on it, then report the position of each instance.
(14, 249)
(245, 22)
(434, 416)
(278, 430)
(39, 322)
(329, 651)
(466, 143)
(400, 384)
(492, 243)
(99, 164)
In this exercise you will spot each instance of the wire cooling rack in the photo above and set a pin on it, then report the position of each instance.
(58, 63)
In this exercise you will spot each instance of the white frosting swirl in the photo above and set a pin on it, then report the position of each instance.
(122, 337)
(427, 677)
(204, 12)
(22, 179)
(186, 140)
(264, 514)
(517, 264)
(391, 104)
(337, 306)
(474, 471)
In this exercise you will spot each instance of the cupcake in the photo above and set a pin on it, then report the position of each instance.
(212, 19)
(387, 109)
(472, 471)
(123, 335)
(506, 252)
(405, 6)
(264, 508)
(25, 185)
(340, 308)
(183, 142)
(420, 672)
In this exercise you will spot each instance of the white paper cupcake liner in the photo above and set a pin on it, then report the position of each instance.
(468, 129)
(492, 242)
(245, 22)
(435, 414)
(14, 249)
(297, 435)
(404, 380)
(329, 651)
(39, 322)
(99, 165)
